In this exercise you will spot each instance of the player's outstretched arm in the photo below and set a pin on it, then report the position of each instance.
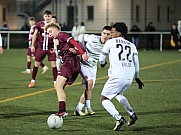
(79, 49)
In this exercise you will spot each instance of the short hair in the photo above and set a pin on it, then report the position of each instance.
(107, 28)
(54, 25)
(47, 12)
(31, 19)
(54, 17)
(82, 24)
(121, 27)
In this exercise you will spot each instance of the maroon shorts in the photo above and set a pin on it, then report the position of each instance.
(30, 53)
(40, 54)
(70, 69)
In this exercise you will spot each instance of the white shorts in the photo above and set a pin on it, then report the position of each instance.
(89, 73)
(115, 86)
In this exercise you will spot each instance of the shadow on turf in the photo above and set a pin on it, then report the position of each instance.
(17, 112)
(16, 115)
(99, 113)
(174, 110)
(155, 127)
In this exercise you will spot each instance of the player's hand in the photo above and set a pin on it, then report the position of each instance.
(139, 82)
(32, 48)
(72, 50)
(52, 50)
(84, 57)
(1, 50)
(103, 65)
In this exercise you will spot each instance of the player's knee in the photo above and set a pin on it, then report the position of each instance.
(102, 98)
(53, 63)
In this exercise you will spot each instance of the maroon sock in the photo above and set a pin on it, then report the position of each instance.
(28, 65)
(62, 106)
(42, 64)
(54, 72)
(34, 73)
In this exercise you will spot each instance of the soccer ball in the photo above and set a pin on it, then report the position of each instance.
(54, 121)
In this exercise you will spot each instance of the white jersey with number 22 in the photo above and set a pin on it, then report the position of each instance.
(121, 57)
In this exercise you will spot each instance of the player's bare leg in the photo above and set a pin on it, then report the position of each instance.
(61, 96)
(85, 101)
(45, 68)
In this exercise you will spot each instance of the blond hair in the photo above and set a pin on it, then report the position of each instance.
(52, 25)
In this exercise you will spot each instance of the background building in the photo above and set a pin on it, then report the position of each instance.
(94, 13)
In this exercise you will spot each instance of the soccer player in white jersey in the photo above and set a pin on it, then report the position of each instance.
(124, 66)
(93, 47)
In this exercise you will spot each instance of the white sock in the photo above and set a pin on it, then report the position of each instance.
(44, 67)
(29, 70)
(109, 106)
(87, 104)
(123, 100)
(58, 64)
(32, 80)
(80, 106)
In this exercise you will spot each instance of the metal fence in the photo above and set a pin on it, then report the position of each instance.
(22, 36)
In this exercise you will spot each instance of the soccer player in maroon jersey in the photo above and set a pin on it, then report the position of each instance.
(44, 47)
(30, 54)
(70, 68)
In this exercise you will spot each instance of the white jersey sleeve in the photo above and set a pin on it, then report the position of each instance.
(121, 57)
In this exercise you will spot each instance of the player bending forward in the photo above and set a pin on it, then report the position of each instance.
(70, 68)
(93, 47)
(124, 65)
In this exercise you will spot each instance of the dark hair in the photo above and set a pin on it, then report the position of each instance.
(82, 24)
(150, 23)
(47, 12)
(54, 17)
(107, 28)
(31, 19)
(121, 27)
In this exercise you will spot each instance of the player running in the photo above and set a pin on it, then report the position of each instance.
(93, 45)
(124, 66)
(70, 67)
(44, 47)
(30, 54)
